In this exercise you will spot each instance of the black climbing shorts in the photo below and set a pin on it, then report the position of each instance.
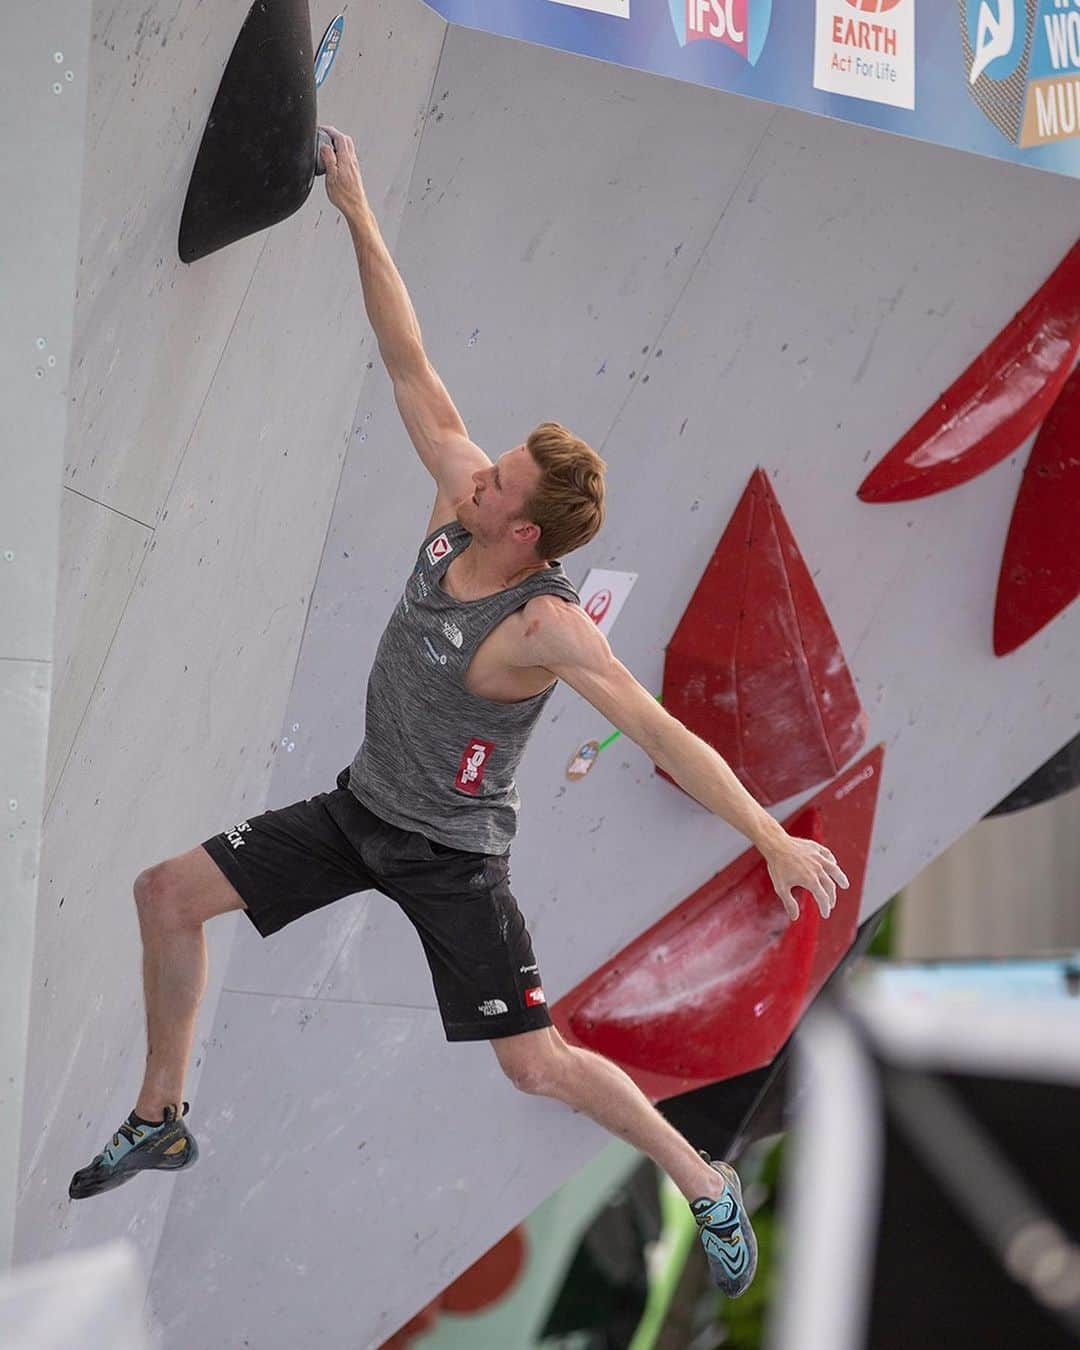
(289, 862)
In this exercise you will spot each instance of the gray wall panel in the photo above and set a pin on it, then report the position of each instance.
(149, 331)
(100, 555)
(43, 120)
(329, 954)
(342, 1184)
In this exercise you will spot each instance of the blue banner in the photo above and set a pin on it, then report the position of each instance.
(993, 77)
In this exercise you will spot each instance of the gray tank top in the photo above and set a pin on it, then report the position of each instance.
(437, 758)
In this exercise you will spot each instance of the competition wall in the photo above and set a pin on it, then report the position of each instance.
(697, 284)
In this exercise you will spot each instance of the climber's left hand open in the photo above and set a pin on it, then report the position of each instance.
(803, 862)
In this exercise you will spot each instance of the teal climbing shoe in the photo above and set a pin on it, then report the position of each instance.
(726, 1235)
(135, 1147)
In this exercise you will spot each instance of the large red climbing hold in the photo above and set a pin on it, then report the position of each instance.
(491, 1277)
(995, 404)
(717, 986)
(1040, 570)
(755, 667)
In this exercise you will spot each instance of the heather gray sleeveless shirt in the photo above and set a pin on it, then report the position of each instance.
(437, 758)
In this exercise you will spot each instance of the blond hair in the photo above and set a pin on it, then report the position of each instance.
(568, 502)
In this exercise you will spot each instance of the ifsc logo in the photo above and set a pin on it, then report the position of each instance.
(997, 40)
(997, 37)
(742, 25)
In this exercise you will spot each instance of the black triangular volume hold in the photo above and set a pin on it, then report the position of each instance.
(1060, 773)
(256, 163)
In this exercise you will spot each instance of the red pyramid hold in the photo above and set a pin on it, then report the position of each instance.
(1040, 571)
(717, 986)
(755, 667)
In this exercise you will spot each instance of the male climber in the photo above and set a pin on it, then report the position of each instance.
(486, 626)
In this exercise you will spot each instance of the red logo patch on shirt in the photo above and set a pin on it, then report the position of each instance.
(438, 548)
(473, 761)
(534, 996)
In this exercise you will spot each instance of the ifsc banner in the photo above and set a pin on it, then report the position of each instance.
(996, 77)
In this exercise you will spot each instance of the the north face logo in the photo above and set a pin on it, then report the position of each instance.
(438, 548)
(493, 1007)
(453, 632)
(534, 997)
(471, 772)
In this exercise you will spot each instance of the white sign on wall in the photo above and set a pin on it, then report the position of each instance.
(620, 9)
(866, 49)
(603, 594)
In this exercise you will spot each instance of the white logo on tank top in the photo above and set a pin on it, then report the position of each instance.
(453, 632)
(436, 657)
